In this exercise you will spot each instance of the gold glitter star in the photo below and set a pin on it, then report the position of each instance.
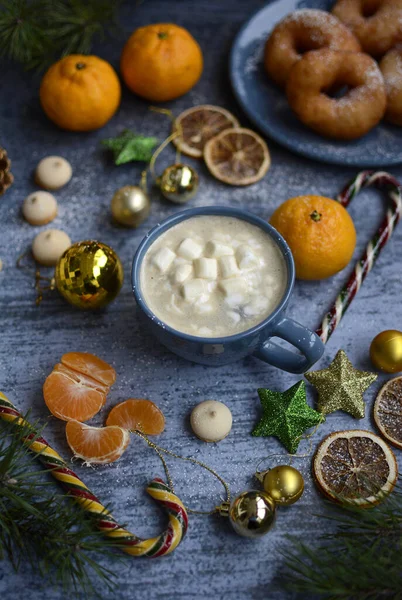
(286, 415)
(341, 386)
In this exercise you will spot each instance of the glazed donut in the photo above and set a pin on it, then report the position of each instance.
(299, 32)
(345, 118)
(376, 23)
(391, 68)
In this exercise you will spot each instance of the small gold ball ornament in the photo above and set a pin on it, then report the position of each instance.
(130, 205)
(252, 514)
(284, 484)
(89, 275)
(386, 351)
(178, 183)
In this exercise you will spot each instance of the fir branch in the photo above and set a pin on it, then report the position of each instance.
(129, 146)
(46, 529)
(360, 560)
(38, 32)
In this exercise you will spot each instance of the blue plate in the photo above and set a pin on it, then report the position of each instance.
(267, 106)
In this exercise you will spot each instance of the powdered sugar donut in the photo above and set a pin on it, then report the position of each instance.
(391, 68)
(345, 118)
(299, 32)
(376, 23)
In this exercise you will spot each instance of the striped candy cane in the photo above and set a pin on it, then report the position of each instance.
(72, 484)
(364, 179)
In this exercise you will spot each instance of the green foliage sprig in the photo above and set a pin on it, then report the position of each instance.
(43, 528)
(130, 146)
(38, 32)
(361, 560)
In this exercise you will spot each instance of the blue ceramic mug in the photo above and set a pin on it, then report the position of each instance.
(255, 341)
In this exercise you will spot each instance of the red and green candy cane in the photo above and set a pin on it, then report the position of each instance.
(76, 488)
(383, 181)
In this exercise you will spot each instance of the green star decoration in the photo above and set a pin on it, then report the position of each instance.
(341, 386)
(286, 415)
(129, 146)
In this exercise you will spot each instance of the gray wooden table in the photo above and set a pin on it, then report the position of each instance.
(212, 560)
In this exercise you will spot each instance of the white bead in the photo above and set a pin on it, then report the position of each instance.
(189, 249)
(234, 290)
(246, 259)
(53, 172)
(49, 245)
(193, 290)
(39, 208)
(206, 268)
(182, 273)
(163, 258)
(228, 266)
(216, 249)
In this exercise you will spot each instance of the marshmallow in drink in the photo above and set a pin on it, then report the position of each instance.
(206, 268)
(234, 290)
(189, 249)
(228, 267)
(163, 259)
(216, 249)
(193, 290)
(246, 259)
(182, 273)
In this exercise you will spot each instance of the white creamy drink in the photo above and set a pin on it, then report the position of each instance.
(213, 276)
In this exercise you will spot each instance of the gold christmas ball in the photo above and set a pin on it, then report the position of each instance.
(178, 183)
(386, 351)
(130, 205)
(284, 484)
(252, 514)
(89, 275)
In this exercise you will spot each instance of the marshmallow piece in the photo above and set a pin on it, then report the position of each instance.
(182, 273)
(234, 290)
(246, 259)
(257, 305)
(163, 259)
(193, 290)
(204, 308)
(234, 316)
(217, 249)
(228, 266)
(189, 249)
(206, 268)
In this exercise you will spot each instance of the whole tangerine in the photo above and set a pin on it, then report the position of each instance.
(161, 62)
(80, 93)
(319, 232)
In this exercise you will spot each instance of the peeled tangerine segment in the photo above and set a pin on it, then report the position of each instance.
(206, 268)
(78, 386)
(163, 259)
(217, 249)
(96, 444)
(228, 266)
(91, 365)
(137, 415)
(189, 249)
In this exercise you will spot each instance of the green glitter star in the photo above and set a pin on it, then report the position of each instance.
(286, 415)
(341, 386)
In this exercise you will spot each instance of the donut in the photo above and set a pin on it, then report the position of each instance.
(376, 23)
(391, 68)
(299, 32)
(345, 118)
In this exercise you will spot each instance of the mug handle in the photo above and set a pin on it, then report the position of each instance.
(308, 342)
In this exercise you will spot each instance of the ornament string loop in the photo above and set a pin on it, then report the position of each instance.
(39, 278)
(160, 451)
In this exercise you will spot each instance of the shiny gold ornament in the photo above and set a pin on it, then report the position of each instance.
(386, 351)
(283, 483)
(178, 183)
(252, 514)
(89, 275)
(130, 205)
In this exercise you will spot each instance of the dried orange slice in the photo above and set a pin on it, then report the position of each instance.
(96, 444)
(78, 386)
(388, 411)
(199, 124)
(356, 467)
(237, 156)
(141, 415)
